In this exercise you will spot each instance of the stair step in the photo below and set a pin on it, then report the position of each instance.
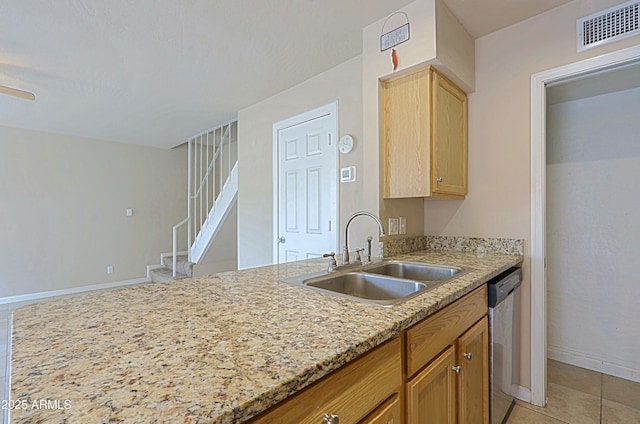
(165, 275)
(183, 266)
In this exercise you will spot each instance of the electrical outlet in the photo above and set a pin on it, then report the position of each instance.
(402, 225)
(393, 226)
(109, 269)
(129, 212)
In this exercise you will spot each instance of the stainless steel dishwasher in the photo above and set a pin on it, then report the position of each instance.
(503, 313)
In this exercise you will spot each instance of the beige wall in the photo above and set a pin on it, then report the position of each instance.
(63, 219)
(255, 176)
(498, 203)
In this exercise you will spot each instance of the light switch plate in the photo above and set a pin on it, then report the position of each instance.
(393, 226)
(402, 225)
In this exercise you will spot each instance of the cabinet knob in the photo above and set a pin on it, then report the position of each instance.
(330, 419)
(439, 179)
(457, 369)
(467, 355)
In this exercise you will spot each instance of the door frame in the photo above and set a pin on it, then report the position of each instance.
(330, 109)
(539, 82)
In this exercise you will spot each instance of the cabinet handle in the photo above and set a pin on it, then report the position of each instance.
(467, 355)
(457, 369)
(330, 419)
(439, 179)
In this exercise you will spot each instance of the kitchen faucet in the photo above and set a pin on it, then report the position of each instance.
(345, 253)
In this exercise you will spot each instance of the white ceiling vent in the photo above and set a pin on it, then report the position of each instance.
(608, 25)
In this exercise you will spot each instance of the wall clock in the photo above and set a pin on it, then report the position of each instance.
(345, 145)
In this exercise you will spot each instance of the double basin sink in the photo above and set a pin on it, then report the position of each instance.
(385, 283)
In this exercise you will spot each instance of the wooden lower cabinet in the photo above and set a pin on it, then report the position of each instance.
(447, 364)
(454, 388)
(436, 372)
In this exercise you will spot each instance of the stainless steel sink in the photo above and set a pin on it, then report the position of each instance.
(374, 288)
(385, 283)
(413, 270)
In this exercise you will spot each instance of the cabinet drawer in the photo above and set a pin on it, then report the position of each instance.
(351, 392)
(428, 338)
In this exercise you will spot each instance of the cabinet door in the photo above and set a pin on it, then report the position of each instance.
(431, 395)
(406, 135)
(449, 133)
(473, 358)
(387, 413)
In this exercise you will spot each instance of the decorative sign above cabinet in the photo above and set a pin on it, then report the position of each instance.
(396, 36)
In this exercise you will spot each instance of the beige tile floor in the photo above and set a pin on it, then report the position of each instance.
(579, 396)
(576, 395)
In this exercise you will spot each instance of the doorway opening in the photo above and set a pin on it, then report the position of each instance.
(539, 84)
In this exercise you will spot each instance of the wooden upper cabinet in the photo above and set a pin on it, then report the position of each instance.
(424, 136)
(449, 146)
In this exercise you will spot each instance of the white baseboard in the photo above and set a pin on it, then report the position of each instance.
(592, 363)
(74, 290)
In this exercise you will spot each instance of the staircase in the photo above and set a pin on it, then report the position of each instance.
(212, 191)
(164, 272)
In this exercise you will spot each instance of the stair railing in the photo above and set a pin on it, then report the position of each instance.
(212, 155)
(175, 244)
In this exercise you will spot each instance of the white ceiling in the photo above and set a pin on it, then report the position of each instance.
(153, 72)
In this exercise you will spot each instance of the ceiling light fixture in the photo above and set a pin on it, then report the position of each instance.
(17, 93)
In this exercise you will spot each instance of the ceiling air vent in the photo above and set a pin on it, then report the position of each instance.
(608, 25)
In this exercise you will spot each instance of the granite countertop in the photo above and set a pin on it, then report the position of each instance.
(216, 349)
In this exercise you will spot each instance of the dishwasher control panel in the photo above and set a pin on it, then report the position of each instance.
(500, 286)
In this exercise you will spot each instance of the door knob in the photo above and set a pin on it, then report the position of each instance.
(281, 239)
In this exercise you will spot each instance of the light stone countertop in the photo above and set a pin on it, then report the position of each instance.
(216, 349)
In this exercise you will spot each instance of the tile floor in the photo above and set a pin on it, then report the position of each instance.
(576, 395)
(579, 396)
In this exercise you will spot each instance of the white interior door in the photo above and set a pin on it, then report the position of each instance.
(306, 186)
